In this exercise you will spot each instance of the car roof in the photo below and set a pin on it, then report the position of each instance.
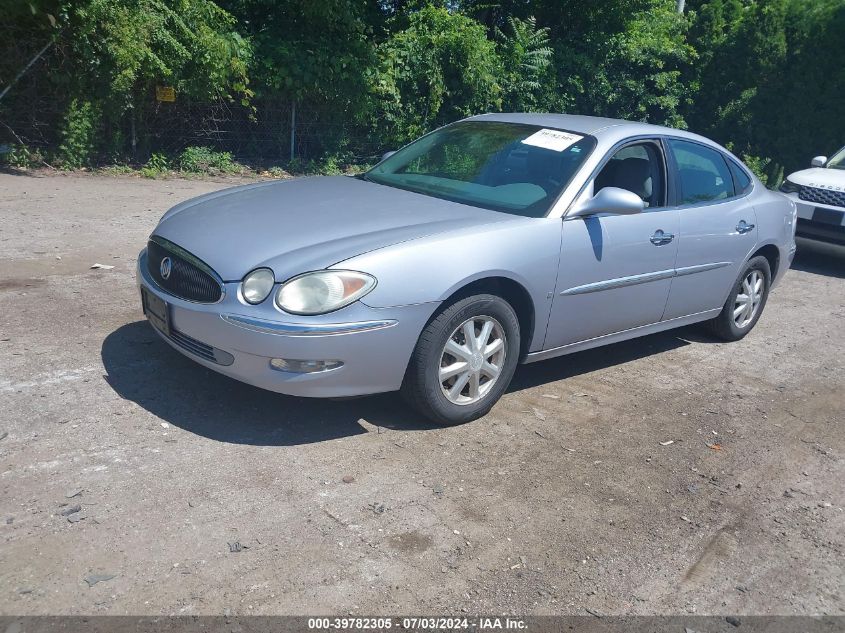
(593, 125)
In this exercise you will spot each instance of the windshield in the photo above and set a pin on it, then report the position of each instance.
(509, 167)
(838, 160)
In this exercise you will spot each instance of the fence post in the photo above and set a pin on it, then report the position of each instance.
(292, 129)
(132, 131)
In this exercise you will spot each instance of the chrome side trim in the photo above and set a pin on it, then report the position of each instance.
(299, 329)
(619, 282)
(700, 268)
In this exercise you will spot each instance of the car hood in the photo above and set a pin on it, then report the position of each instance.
(294, 226)
(820, 177)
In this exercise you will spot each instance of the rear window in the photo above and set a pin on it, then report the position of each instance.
(742, 182)
(703, 173)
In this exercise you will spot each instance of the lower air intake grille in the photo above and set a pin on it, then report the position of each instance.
(200, 349)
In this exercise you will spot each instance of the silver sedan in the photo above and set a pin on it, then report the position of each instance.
(497, 240)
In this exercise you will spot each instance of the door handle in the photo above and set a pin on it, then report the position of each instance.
(744, 227)
(660, 238)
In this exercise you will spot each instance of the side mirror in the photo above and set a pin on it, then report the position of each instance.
(387, 155)
(818, 161)
(609, 200)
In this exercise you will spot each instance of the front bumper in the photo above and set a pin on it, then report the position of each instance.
(822, 222)
(374, 344)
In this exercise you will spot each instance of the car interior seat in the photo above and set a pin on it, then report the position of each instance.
(633, 174)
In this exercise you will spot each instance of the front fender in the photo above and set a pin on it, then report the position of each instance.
(525, 250)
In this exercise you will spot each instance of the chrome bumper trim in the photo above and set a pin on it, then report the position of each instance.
(311, 329)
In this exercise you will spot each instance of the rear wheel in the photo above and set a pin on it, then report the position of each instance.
(464, 360)
(745, 304)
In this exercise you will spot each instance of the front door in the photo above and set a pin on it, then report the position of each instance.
(616, 270)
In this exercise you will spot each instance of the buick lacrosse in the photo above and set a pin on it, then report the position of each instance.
(497, 240)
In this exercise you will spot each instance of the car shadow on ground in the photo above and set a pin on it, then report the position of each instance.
(141, 368)
(820, 258)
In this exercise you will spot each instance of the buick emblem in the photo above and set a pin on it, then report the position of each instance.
(165, 267)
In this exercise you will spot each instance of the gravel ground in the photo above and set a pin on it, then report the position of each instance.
(170, 489)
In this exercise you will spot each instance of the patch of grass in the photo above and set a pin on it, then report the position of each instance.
(204, 160)
(275, 172)
(328, 166)
(116, 170)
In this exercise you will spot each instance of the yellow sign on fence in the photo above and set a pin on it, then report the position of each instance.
(165, 93)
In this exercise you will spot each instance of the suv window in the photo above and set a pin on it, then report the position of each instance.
(637, 168)
(703, 173)
(742, 182)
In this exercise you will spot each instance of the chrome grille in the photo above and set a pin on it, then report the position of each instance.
(823, 196)
(189, 278)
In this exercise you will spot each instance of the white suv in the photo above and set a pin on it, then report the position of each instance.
(819, 193)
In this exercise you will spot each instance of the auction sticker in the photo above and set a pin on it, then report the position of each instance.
(555, 140)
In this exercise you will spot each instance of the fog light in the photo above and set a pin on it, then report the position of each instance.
(304, 366)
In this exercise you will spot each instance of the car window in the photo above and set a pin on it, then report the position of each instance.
(703, 173)
(637, 168)
(509, 167)
(837, 161)
(742, 183)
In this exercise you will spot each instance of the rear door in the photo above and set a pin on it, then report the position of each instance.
(717, 226)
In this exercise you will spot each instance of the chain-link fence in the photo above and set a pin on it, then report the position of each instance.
(269, 131)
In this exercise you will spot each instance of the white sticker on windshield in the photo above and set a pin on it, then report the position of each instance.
(554, 140)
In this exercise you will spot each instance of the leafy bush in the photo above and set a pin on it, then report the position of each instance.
(204, 160)
(157, 165)
(78, 143)
(21, 157)
(758, 165)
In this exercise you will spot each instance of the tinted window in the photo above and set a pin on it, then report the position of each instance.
(742, 182)
(702, 171)
(508, 167)
(637, 168)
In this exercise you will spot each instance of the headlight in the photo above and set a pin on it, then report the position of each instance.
(257, 285)
(323, 291)
(787, 186)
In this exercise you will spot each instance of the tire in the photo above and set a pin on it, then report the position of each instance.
(422, 387)
(730, 328)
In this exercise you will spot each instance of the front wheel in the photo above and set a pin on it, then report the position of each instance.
(464, 360)
(745, 304)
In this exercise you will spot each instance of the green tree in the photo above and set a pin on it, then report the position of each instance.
(767, 82)
(315, 50)
(527, 64)
(635, 72)
(440, 68)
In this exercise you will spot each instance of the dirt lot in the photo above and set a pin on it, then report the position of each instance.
(563, 499)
